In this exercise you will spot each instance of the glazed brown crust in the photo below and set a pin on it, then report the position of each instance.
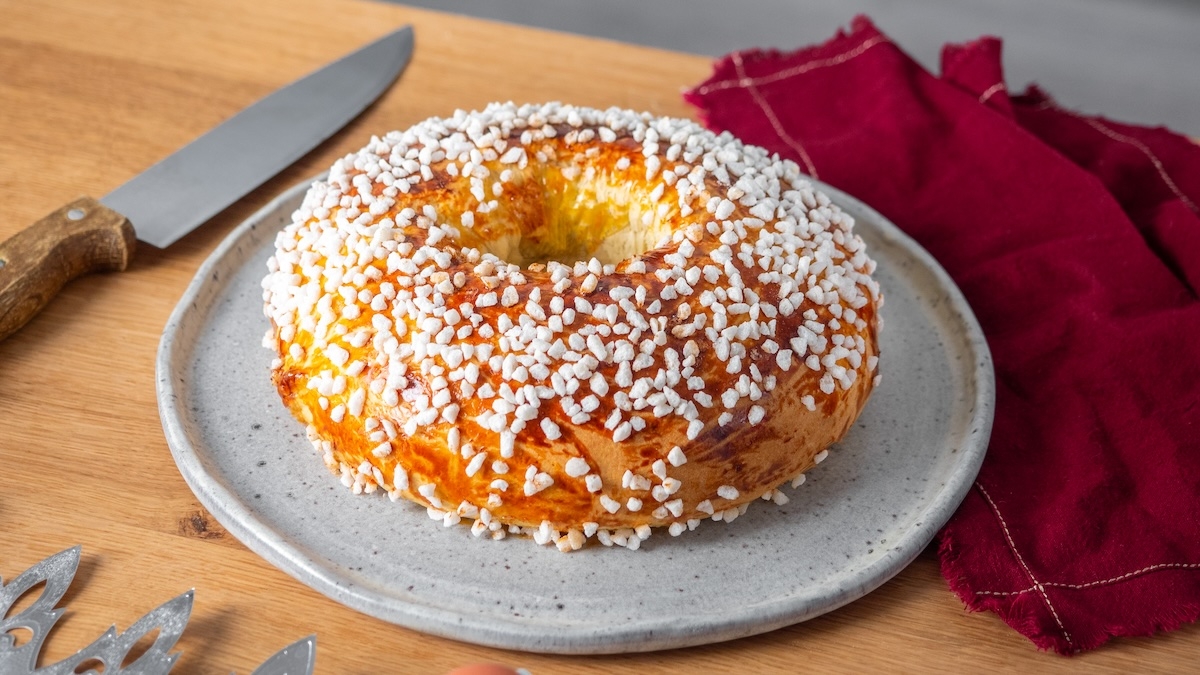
(753, 457)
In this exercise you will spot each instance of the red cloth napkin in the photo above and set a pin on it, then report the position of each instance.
(1077, 242)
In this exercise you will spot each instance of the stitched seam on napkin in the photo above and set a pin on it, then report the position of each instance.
(1102, 582)
(1013, 547)
(1122, 138)
(1158, 165)
(766, 108)
(744, 81)
(991, 91)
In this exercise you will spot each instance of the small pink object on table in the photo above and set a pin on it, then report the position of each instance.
(1077, 242)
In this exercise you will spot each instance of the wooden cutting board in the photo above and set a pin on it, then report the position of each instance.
(94, 91)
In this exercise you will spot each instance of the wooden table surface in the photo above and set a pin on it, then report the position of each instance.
(94, 91)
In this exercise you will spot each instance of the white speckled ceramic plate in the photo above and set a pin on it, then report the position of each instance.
(862, 516)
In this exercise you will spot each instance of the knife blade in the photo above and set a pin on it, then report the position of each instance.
(198, 181)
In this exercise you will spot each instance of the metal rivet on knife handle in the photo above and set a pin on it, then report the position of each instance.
(81, 237)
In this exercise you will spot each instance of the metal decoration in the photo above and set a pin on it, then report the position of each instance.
(110, 651)
(297, 658)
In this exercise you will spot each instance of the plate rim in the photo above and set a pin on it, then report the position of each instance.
(240, 520)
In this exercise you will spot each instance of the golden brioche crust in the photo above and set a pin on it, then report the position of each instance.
(571, 322)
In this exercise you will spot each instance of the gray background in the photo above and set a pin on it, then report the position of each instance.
(1136, 61)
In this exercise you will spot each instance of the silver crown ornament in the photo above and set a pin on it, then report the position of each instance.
(110, 651)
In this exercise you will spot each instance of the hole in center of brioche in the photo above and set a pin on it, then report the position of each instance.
(573, 209)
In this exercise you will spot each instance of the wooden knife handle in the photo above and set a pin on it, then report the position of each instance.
(83, 236)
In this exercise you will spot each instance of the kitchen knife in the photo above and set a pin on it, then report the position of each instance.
(198, 181)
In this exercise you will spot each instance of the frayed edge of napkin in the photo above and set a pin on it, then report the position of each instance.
(1027, 613)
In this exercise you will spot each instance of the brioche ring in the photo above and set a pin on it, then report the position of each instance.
(571, 322)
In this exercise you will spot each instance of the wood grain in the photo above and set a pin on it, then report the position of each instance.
(82, 455)
(80, 237)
